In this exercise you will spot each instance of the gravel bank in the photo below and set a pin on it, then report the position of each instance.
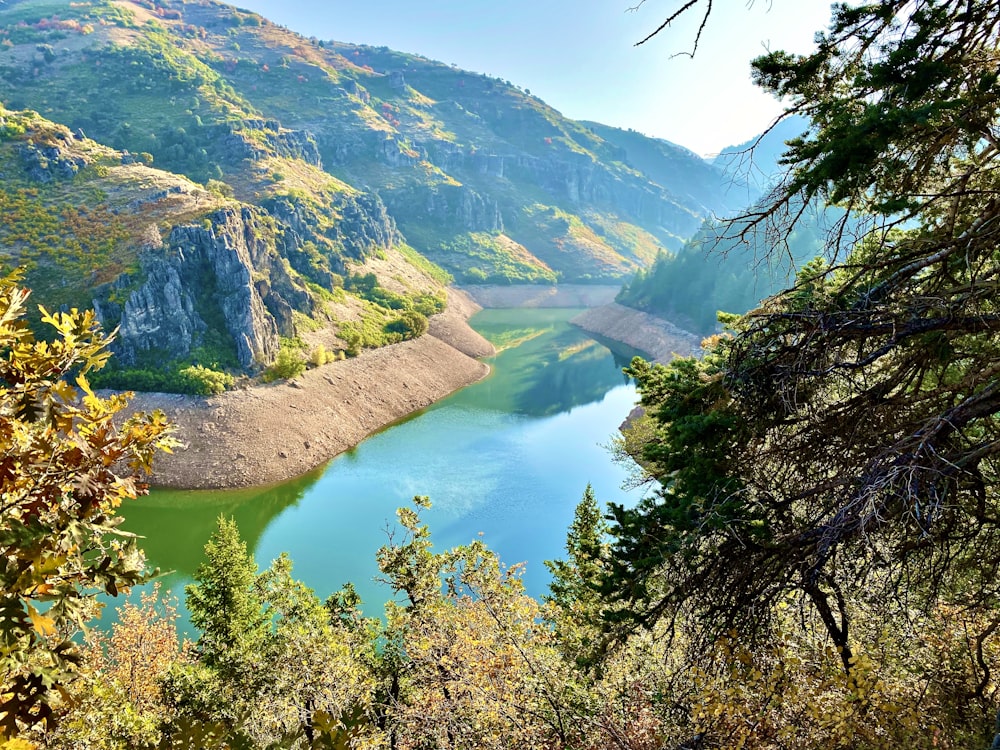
(274, 432)
(659, 338)
(534, 295)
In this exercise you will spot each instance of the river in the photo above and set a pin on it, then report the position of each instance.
(506, 459)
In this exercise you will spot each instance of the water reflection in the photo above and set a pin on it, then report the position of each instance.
(547, 367)
(174, 522)
(508, 457)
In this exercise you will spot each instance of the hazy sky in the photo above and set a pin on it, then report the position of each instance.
(578, 55)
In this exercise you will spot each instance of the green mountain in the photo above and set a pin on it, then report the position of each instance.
(720, 271)
(722, 268)
(714, 190)
(250, 186)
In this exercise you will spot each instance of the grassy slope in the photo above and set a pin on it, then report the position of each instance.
(73, 232)
(170, 78)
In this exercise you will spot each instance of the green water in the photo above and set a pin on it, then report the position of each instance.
(507, 458)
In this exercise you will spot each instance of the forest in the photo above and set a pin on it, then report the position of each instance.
(815, 566)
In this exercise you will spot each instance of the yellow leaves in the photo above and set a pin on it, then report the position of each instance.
(18, 744)
(901, 691)
(43, 625)
(84, 385)
(58, 464)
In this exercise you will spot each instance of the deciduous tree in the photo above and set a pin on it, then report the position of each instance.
(478, 667)
(67, 461)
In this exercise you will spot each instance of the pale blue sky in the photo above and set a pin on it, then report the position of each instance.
(578, 55)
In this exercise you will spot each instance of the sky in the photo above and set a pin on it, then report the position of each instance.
(579, 55)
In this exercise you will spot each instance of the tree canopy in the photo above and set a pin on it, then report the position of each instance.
(66, 464)
(840, 442)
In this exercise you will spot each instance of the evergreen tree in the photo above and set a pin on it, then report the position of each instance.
(578, 578)
(576, 583)
(274, 666)
(221, 689)
(842, 444)
(226, 607)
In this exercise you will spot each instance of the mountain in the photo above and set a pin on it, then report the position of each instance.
(757, 162)
(279, 186)
(722, 268)
(698, 182)
(721, 271)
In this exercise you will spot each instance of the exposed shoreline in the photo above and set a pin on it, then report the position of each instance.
(658, 337)
(537, 295)
(271, 433)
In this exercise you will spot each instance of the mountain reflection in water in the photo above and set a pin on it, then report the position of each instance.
(508, 457)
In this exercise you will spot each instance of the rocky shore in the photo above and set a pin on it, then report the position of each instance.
(537, 295)
(271, 433)
(660, 338)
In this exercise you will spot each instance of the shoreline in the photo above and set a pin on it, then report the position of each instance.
(495, 296)
(658, 337)
(271, 433)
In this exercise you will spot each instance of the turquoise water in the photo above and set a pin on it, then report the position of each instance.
(507, 458)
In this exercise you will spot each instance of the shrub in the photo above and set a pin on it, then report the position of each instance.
(204, 381)
(409, 325)
(320, 356)
(220, 188)
(288, 364)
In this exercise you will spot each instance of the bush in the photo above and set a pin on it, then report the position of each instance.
(320, 356)
(220, 188)
(409, 325)
(204, 381)
(428, 304)
(288, 364)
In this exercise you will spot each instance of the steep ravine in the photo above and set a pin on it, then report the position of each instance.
(270, 433)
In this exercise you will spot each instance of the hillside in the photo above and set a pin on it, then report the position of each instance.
(708, 185)
(722, 267)
(190, 276)
(294, 168)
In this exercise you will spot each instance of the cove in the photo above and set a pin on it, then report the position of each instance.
(506, 460)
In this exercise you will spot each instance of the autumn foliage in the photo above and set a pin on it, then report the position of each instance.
(66, 465)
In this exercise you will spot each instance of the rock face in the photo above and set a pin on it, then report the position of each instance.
(362, 228)
(160, 315)
(203, 272)
(575, 179)
(206, 273)
(222, 261)
(43, 162)
(456, 206)
(256, 138)
(243, 270)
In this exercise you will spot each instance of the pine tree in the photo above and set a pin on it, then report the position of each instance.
(578, 579)
(227, 608)
(576, 583)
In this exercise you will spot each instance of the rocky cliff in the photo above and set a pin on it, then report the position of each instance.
(241, 269)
